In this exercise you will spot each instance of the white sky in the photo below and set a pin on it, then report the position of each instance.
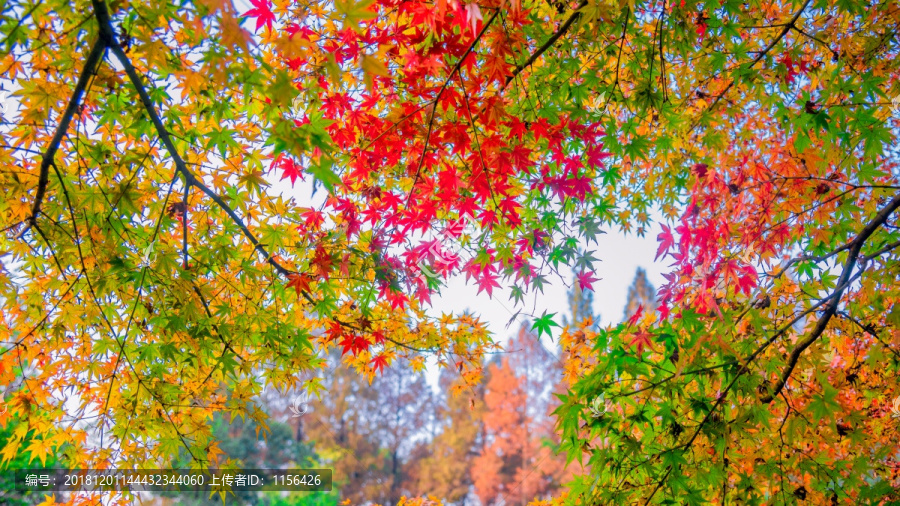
(620, 255)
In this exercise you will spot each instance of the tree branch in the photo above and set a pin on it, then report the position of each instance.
(93, 59)
(106, 31)
(184, 225)
(563, 28)
(834, 299)
(434, 102)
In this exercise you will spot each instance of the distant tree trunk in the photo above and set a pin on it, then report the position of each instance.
(395, 478)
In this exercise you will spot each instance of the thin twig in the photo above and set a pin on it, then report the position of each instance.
(563, 28)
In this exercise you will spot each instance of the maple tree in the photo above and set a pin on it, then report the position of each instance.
(152, 274)
(641, 295)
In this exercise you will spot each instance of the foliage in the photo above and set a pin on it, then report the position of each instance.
(9, 494)
(154, 275)
(443, 467)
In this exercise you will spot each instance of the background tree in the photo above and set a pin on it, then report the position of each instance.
(581, 305)
(444, 465)
(516, 464)
(505, 447)
(368, 432)
(641, 295)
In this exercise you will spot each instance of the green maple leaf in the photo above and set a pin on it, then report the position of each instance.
(543, 324)
(323, 173)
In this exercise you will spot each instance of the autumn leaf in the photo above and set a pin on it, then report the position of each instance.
(586, 280)
(128, 156)
(473, 16)
(300, 283)
(379, 362)
(289, 169)
(665, 240)
(39, 449)
(641, 340)
(262, 12)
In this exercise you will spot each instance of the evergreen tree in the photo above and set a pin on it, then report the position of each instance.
(640, 293)
(581, 306)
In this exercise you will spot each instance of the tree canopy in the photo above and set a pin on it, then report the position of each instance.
(155, 271)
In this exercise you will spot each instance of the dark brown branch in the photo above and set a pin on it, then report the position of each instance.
(184, 226)
(106, 31)
(847, 277)
(786, 28)
(868, 329)
(93, 59)
(834, 299)
(563, 28)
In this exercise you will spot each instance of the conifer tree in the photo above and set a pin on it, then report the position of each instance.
(640, 293)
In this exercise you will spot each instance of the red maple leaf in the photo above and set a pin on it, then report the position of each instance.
(665, 241)
(354, 343)
(262, 13)
(496, 67)
(289, 169)
(334, 331)
(312, 219)
(748, 281)
(641, 340)
(487, 283)
(586, 280)
(378, 362)
(322, 261)
(701, 29)
(637, 315)
(300, 282)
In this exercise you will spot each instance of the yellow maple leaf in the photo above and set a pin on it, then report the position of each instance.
(39, 448)
(372, 67)
(48, 500)
(9, 451)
